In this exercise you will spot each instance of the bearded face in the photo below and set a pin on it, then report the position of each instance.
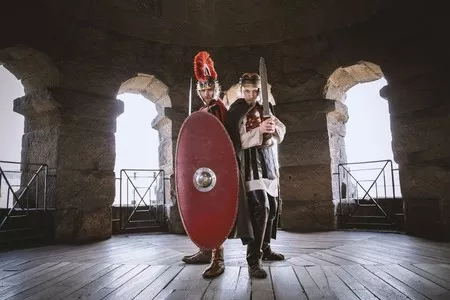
(207, 94)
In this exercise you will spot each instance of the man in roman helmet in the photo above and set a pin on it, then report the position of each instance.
(208, 90)
(254, 139)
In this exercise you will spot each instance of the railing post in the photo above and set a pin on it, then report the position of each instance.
(339, 189)
(45, 185)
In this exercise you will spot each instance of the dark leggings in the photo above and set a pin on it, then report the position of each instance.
(262, 218)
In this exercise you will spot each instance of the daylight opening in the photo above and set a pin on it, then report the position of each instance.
(11, 131)
(368, 142)
(137, 145)
(11, 123)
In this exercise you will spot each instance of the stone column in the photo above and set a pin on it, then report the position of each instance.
(420, 130)
(176, 114)
(336, 133)
(73, 132)
(167, 150)
(304, 155)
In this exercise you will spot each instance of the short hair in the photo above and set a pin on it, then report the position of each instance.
(251, 79)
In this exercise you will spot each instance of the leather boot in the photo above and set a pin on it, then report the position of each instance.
(203, 256)
(217, 265)
(255, 269)
(268, 254)
(258, 218)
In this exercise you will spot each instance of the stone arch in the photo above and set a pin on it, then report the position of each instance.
(34, 68)
(37, 73)
(339, 82)
(344, 78)
(156, 91)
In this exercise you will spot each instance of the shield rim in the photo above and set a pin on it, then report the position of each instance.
(237, 181)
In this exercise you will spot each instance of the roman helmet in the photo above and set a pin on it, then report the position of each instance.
(206, 74)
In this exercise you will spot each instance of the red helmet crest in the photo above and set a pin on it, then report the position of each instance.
(204, 67)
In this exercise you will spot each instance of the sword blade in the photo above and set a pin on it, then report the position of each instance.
(264, 90)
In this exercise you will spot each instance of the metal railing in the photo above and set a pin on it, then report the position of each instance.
(369, 190)
(142, 200)
(23, 194)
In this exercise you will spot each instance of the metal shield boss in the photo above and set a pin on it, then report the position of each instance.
(206, 179)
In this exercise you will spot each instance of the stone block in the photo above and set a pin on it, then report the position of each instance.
(84, 189)
(40, 146)
(304, 116)
(425, 181)
(306, 183)
(175, 223)
(308, 216)
(80, 226)
(305, 148)
(35, 103)
(312, 88)
(413, 99)
(43, 121)
(428, 217)
(86, 150)
(416, 140)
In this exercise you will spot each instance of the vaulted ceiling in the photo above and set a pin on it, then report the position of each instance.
(218, 22)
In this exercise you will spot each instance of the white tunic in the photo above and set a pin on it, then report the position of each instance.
(254, 138)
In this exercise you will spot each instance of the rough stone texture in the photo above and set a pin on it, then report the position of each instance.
(81, 54)
(34, 68)
(344, 79)
(84, 189)
(336, 130)
(305, 148)
(423, 139)
(305, 115)
(420, 128)
(218, 23)
(73, 133)
(304, 157)
(175, 222)
(306, 183)
(80, 226)
(307, 216)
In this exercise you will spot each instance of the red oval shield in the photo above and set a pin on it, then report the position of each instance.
(206, 179)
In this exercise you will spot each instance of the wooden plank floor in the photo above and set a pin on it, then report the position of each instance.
(327, 265)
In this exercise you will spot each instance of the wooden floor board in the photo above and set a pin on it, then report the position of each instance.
(325, 265)
(263, 288)
(318, 275)
(101, 282)
(286, 284)
(397, 284)
(374, 284)
(415, 281)
(34, 285)
(428, 274)
(337, 286)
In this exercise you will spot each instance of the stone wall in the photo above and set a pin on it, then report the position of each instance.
(420, 126)
(71, 107)
(73, 133)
